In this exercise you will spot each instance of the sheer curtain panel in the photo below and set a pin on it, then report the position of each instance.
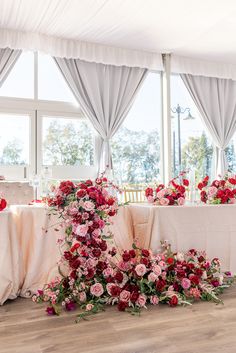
(105, 94)
(8, 58)
(215, 99)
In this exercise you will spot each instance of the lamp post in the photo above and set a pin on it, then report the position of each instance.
(179, 111)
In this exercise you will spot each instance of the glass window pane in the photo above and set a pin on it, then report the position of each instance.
(52, 85)
(67, 141)
(136, 146)
(191, 144)
(14, 139)
(20, 81)
(231, 155)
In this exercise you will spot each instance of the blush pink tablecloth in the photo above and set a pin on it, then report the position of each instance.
(207, 227)
(28, 254)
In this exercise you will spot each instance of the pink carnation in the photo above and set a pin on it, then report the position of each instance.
(89, 307)
(154, 300)
(152, 277)
(88, 205)
(81, 230)
(185, 283)
(212, 191)
(156, 269)
(164, 201)
(181, 201)
(108, 272)
(82, 297)
(97, 289)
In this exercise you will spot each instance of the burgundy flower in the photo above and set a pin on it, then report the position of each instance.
(50, 311)
(160, 285)
(122, 306)
(173, 301)
(132, 253)
(70, 306)
(96, 252)
(115, 291)
(119, 277)
(126, 256)
(134, 296)
(145, 252)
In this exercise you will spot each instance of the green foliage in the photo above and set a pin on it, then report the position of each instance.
(12, 153)
(136, 155)
(66, 145)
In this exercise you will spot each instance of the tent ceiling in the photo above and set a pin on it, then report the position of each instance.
(195, 28)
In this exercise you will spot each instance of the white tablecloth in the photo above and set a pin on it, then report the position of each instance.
(207, 227)
(28, 254)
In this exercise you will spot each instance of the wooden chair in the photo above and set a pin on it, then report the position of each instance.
(134, 195)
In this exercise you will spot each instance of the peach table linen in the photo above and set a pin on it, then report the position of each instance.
(206, 227)
(28, 254)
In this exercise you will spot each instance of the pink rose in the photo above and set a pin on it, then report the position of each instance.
(212, 191)
(154, 300)
(140, 270)
(81, 230)
(161, 193)
(181, 201)
(162, 264)
(150, 199)
(164, 201)
(152, 277)
(96, 233)
(88, 205)
(124, 296)
(82, 297)
(232, 200)
(97, 289)
(156, 269)
(141, 301)
(108, 272)
(89, 307)
(185, 283)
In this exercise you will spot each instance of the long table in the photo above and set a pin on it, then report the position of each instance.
(29, 251)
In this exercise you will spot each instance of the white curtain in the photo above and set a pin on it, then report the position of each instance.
(105, 94)
(215, 99)
(8, 58)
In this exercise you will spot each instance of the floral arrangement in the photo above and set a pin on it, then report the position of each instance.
(3, 203)
(221, 191)
(173, 194)
(94, 275)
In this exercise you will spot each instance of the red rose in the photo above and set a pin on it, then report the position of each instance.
(89, 182)
(149, 192)
(185, 182)
(81, 193)
(144, 261)
(160, 285)
(173, 301)
(74, 247)
(232, 181)
(132, 253)
(119, 277)
(134, 296)
(92, 195)
(145, 252)
(198, 272)
(66, 187)
(181, 189)
(104, 179)
(3, 204)
(160, 187)
(90, 273)
(73, 274)
(122, 306)
(103, 245)
(126, 256)
(96, 252)
(200, 186)
(110, 201)
(194, 279)
(75, 263)
(115, 291)
(170, 260)
(215, 283)
(67, 255)
(112, 213)
(50, 311)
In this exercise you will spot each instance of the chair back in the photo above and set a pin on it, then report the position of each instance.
(134, 195)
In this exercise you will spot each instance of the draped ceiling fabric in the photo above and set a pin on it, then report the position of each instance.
(8, 58)
(105, 94)
(215, 99)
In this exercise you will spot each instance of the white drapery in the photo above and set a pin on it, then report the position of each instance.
(91, 52)
(215, 99)
(8, 58)
(105, 94)
(198, 67)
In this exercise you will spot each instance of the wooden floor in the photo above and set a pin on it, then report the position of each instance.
(203, 327)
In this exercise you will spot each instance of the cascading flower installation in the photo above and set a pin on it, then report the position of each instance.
(173, 194)
(96, 276)
(221, 191)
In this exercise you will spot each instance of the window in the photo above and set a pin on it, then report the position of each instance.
(14, 145)
(191, 145)
(136, 146)
(68, 146)
(231, 154)
(20, 81)
(51, 84)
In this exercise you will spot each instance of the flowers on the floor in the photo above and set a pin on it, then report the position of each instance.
(173, 194)
(3, 203)
(221, 191)
(93, 275)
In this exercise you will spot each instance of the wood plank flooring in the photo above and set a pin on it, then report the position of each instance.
(202, 327)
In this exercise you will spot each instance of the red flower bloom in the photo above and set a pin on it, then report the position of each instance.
(160, 285)
(126, 256)
(119, 277)
(149, 192)
(173, 301)
(194, 279)
(3, 204)
(115, 291)
(132, 253)
(134, 296)
(145, 252)
(81, 193)
(96, 252)
(50, 311)
(185, 182)
(170, 260)
(67, 187)
(122, 306)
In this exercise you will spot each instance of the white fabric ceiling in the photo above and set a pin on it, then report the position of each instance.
(202, 29)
